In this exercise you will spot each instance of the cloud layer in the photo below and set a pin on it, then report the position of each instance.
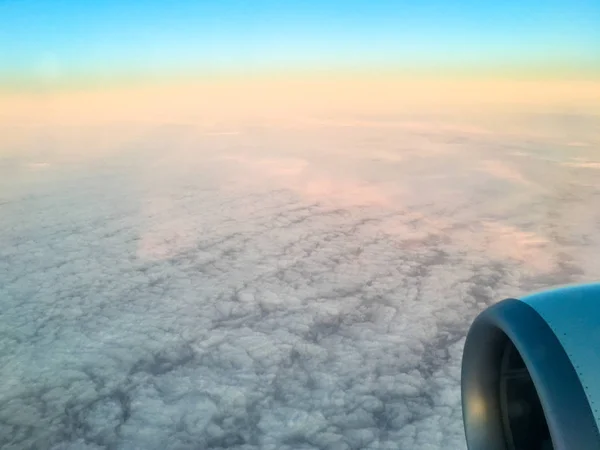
(270, 288)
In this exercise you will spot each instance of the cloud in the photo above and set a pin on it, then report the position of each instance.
(163, 297)
(578, 144)
(584, 165)
(503, 171)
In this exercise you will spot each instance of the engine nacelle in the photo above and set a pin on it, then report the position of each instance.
(531, 373)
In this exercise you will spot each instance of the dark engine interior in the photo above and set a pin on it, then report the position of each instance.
(524, 423)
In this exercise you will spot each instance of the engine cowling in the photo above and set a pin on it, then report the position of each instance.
(531, 373)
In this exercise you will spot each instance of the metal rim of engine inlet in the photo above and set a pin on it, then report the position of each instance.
(566, 408)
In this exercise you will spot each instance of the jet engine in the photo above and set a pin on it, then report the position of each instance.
(531, 373)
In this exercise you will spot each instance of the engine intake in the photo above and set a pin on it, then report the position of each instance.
(525, 383)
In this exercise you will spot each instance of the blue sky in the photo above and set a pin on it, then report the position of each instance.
(113, 37)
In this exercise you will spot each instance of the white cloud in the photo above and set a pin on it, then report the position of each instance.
(167, 299)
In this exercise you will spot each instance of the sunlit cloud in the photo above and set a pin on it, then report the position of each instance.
(39, 165)
(578, 144)
(583, 165)
(529, 248)
(504, 171)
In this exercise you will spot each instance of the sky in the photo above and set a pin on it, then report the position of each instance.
(42, 41)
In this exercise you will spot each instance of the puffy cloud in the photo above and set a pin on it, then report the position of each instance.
(164, 297)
